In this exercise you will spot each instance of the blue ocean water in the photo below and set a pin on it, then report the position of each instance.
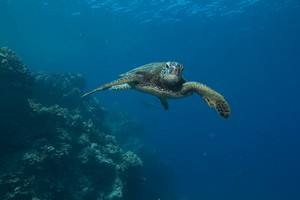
(247, 50)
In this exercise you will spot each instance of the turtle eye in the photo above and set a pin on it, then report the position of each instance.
(167, 65)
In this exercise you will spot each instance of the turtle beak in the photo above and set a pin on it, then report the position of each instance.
(177, 71)
(174, 68)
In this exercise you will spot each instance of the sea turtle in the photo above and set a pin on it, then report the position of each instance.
(164, 80)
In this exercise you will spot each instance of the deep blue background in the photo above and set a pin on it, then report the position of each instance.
(247, 50)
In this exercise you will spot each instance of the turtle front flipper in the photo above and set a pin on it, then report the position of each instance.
(212, 98)
(114, 84)
(124, 86)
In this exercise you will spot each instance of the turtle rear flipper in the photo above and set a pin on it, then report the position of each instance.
(212, 98)
(164, 102)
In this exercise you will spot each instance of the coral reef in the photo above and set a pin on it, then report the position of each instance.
(128, 132)
(55, 145)
(65, 88)
(16, 83)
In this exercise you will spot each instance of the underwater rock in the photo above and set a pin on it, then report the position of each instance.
(53, 143)
(16, 83)
(14, 74)
(63, 88)
(128, 131)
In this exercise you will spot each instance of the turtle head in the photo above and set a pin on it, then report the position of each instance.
(171, 72)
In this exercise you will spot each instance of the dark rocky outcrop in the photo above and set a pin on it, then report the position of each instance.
(54, 144)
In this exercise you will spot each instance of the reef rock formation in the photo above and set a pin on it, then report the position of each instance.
(54, 145)
(16, 83)
(128, 131)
